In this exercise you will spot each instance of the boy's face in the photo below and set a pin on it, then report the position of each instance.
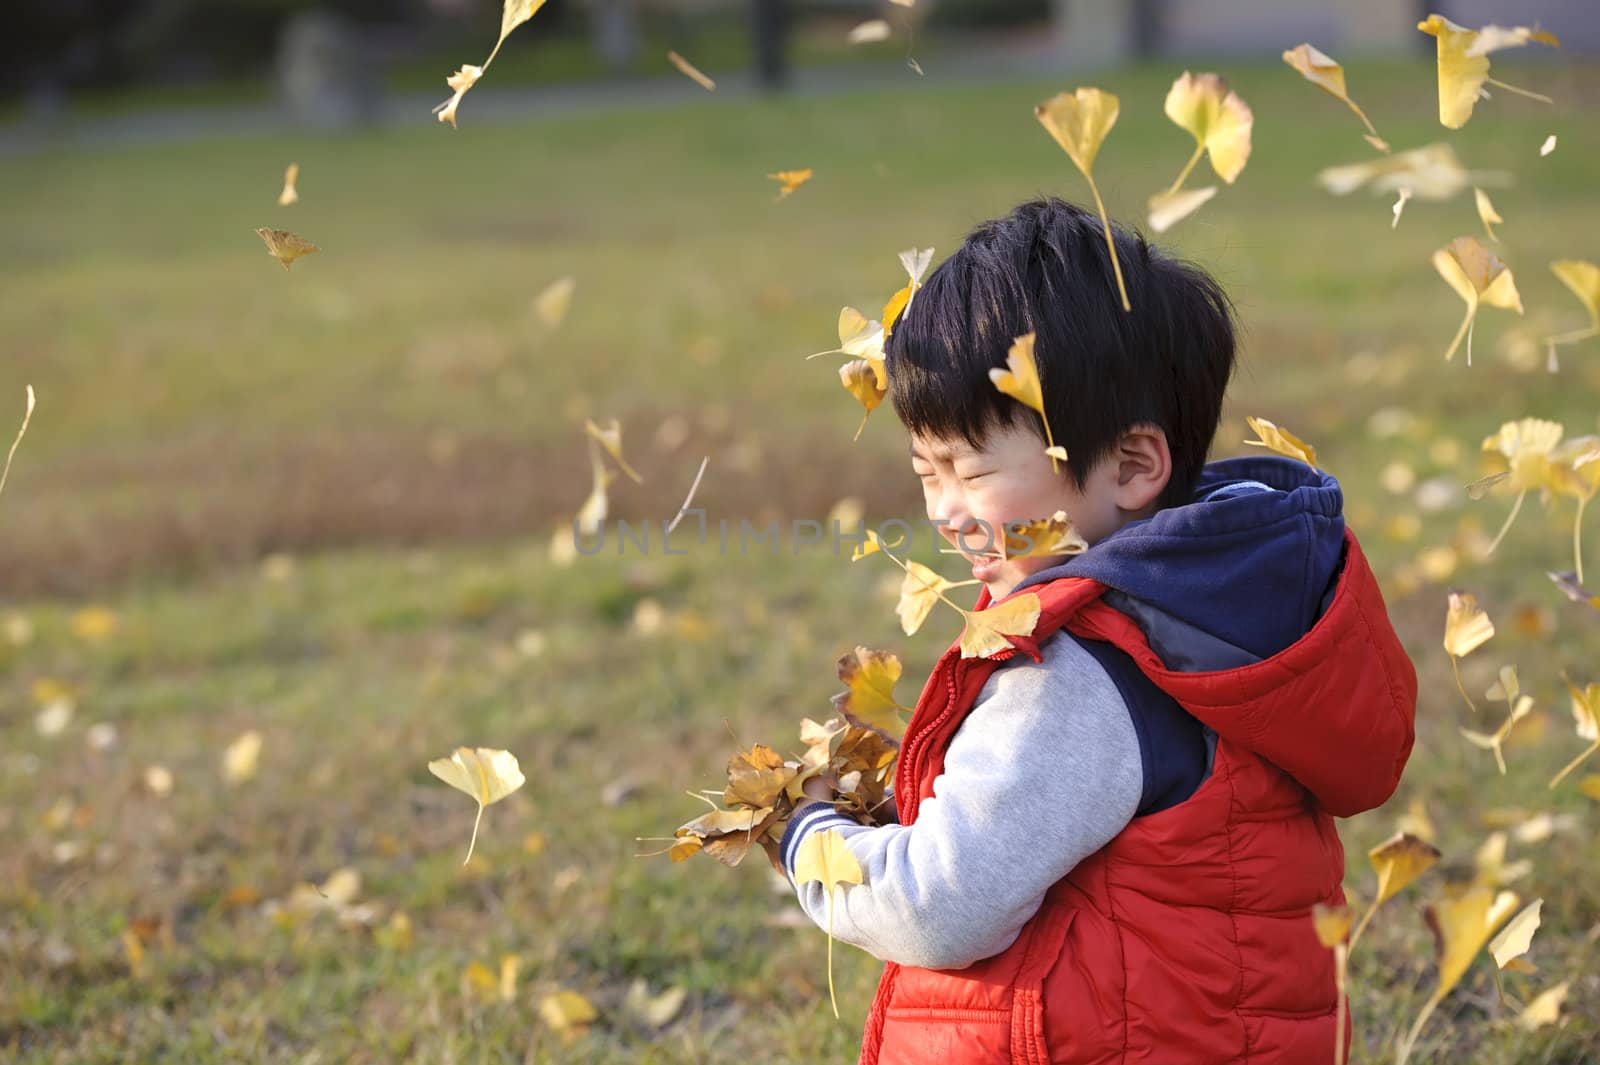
(975, 493)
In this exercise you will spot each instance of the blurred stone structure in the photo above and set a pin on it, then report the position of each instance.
(326, 76)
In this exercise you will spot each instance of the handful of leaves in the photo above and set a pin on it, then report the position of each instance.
(763, 787)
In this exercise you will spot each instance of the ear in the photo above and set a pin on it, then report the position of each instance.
(1143, 467)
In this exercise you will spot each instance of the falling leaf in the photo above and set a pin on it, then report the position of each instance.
(285, 246)
(567, 1012)
(1568, 583)
(1020, 381)
(790, 180)
(1487, 213)
(868, 700)
(860, 380)
(513, 14)
(240, 759)
(824, 857)
(1545, 1007)
(1332, 923)
(1218, 120)
(919, 592)
(609, 436)
(1548, 146)
(1432, 172)
(487, 774)
(1518, 708)
(94, 623)
(1055, 535)
(1516, 937)
(1492, 868)
(553, 303)
(1464, 64)
(1398, 861)
(1167, 209)
(289, 195)
(986, 630)
(1079, 122)
(1281, 440)
(1583, 278)
(1461, 924)
(1526, 445)
(1416, 821)
(1574, 470)
(592, 514)
(460, 81)
(870, 32)
(1321, 70)
(1399, 205)
(916, 264)
(861, 338)
(1466, 628)
(1586, 719)
(690, 71)
(654, 1011)
(1478, 276)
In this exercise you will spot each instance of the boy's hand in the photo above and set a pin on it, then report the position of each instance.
(814, 790)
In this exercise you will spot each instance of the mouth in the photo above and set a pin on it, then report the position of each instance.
(985, 568)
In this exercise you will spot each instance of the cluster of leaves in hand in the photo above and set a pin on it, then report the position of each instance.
(852, 756)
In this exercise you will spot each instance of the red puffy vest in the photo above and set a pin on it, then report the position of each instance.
(1188, 938)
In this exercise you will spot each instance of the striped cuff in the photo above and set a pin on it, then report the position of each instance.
(817, 818)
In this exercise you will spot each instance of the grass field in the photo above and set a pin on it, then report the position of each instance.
(392, 425)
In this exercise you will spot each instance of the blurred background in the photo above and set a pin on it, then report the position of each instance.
(323, 507)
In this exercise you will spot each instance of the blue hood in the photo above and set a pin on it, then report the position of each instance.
(1235, 576)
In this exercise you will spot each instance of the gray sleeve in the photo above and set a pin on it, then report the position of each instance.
(1043, 772)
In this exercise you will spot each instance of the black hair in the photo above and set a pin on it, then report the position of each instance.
(1044, 269)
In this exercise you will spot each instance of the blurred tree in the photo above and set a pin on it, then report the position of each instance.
(770, 30)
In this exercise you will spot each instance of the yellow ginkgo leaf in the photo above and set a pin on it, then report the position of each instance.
(1516, 937)
(1432, 172)
(1398, 861)
(920, 590)
(1218, 120)
(1478, 276)
(986, 630)
(1545, 1007)
(609, 436)
(1461, 925)
(512, 14)
(860, 380)
(868, 700)
(1527, 445)
(552, 304)
(1493, 38)
(756, 777)
(790, 180)
(592, 514)
(1583, 278)
(1464, 64)
(824, 857)
(290, 195)
(1491, 867)
(1586, 718)
(27, 415)
(1416, 821)
(1495, 741)
(1281, 440)
(692, 72)
(860, 338)
(1486, 212)
(1167, 209)
(1055, 535)
(567, 1013)
(1079, 122)
(485, 773)
(285, 246)
(1321, 70)
(1466, 628)
(240, 759)
(1020, 381)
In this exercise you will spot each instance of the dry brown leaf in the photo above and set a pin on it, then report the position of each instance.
(285, 246)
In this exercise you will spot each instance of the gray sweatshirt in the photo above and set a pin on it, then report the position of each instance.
(1043, 772)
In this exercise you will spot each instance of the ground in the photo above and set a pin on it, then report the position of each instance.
(394, 432)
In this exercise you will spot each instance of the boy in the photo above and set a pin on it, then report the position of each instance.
(1111, 835)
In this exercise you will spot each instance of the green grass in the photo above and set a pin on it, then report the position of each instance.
(391, 414)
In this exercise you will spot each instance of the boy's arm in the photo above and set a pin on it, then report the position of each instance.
(1043, 772)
